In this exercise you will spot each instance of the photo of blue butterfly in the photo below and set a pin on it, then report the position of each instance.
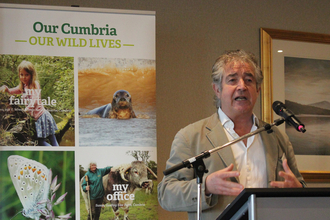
(40, 194)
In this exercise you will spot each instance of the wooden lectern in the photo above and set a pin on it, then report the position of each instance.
(275, 204)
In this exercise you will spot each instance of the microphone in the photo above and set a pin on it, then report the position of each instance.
(281, 110)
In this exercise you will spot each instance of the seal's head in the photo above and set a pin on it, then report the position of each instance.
(122, 105)
(121, 99)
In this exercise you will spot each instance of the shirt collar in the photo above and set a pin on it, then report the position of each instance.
(225, 120)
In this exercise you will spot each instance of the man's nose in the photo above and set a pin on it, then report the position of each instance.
(241, 84)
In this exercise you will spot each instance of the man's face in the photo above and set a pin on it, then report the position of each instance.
(93, 167)
(239, 90)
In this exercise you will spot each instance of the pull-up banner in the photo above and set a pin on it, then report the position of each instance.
(78, 113)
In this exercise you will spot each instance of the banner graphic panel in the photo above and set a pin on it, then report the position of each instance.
(77, 109)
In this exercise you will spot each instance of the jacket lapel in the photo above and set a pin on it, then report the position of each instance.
(218, 137)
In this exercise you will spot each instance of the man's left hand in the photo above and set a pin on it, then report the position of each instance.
(290, 181)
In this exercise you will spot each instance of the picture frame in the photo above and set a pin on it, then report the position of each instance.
(267, 36)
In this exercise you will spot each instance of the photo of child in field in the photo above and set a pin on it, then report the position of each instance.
(37, 100)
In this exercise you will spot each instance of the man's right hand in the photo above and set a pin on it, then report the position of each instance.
(87, 188)
(217, 183)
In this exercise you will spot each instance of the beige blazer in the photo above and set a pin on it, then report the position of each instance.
(178, 191)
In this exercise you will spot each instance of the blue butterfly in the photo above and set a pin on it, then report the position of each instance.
(32, 181)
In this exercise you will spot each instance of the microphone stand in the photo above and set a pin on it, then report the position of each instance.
(198, 164)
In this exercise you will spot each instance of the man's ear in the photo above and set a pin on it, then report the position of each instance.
(259, 89)
(216, 90)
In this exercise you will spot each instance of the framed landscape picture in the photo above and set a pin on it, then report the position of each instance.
(296, 67)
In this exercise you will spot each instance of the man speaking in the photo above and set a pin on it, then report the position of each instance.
(263, 160)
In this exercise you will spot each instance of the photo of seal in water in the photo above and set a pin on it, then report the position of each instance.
(120, 108)
(117, 102)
